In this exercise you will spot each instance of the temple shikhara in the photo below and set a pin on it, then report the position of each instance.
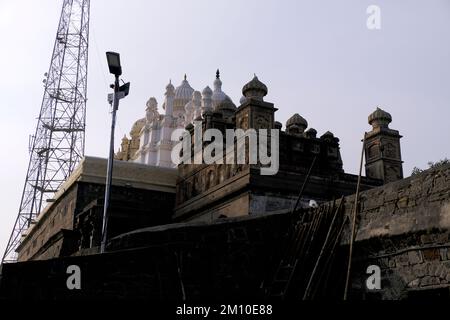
(150, 137)
(192, 230)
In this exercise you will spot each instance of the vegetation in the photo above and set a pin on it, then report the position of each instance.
(431, 165)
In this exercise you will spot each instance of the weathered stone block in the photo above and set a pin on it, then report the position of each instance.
(427, 183)
(443, 273)
(402, 260)
(420, 269)
(426, 281)
(372, 203)
(443, 252)
(414, 284)
(390, 196)
(439, 268)
(392, 263)
(435, 197)
(426, 238)
(408, 275)
(390, 207)
(431, 254)
(402, 202)
(415, 257)
(439, 184)
(442, 238)
(435, 281)
(404, 193)
(416, 189)
(431, 269)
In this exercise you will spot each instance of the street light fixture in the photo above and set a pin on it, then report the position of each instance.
(114, 63)
(120, 92)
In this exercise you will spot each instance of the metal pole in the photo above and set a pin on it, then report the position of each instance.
(304, 184)
(109, 172)
(355, 212)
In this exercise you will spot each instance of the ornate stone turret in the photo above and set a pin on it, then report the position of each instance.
(218, 95)
(329, 136)
(170, 95)
(255, 89)
(380, 119)
(296, 124)
(311, 133)
(189, 114)
(255, 112)
(168, 124)
(382, 149)
(123, 153)
(207, 100)
(197, 101)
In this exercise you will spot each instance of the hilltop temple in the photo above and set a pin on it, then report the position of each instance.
(149, 189)
(221, 228)
(150, 137)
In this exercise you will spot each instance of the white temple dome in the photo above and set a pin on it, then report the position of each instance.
(226, 104)
(183, 93)
(207, 91)
(218, 95)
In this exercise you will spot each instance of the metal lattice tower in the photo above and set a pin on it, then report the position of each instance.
(58, 143)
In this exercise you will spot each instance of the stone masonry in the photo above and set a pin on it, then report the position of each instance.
(404, 227)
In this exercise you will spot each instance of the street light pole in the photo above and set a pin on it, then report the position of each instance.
(120, 92)
(109, 172)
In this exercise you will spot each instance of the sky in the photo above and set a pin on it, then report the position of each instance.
(317, 58)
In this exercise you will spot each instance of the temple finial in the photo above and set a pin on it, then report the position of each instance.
(217, 74)
(185, 77)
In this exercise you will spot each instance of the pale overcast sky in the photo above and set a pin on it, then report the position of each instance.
(317, 58)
